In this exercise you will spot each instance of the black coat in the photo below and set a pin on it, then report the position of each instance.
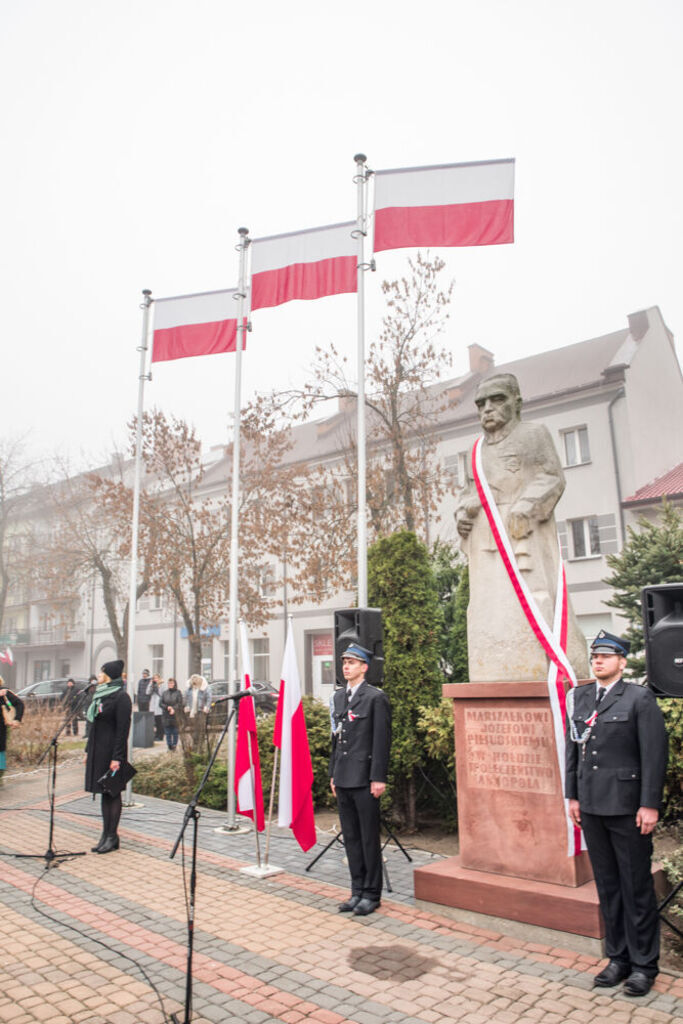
(18, 705)
(362, 738)
(172, 699)
(108, 739)
(623, 761)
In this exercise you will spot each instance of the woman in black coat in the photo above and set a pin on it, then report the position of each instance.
(109, 714)
(172, 710)
(14, 707)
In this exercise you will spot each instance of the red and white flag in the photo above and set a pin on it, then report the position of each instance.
(303, 265)
(295, 801)
(453, 204)
(194, 325)
(6, 656)
(247, 762)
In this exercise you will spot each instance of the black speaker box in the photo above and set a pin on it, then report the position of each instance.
(663, 631)
(362, 626)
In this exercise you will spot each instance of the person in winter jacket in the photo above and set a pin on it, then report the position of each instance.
(109, 715)
(172, 710)
(154, 697)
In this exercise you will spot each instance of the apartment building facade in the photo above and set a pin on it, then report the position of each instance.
(614, 408)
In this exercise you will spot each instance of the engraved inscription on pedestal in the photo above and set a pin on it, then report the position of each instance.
(508, 749)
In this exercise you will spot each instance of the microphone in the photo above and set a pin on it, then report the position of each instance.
(233, 696)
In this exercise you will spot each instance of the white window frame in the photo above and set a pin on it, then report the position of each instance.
(157, 659)
(581, 452)
(456, 467)
(590, 540)
(260, 658)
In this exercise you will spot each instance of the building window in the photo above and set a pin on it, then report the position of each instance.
(576, 449)
(156, 602)
(157, 657)
(260, 657)
(65, 669)
(585, 537)
(41, 670)
(267, 581)
(207, 661)
(456, 467)
(226, 659)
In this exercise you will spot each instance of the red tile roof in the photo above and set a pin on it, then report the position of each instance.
(671, 485)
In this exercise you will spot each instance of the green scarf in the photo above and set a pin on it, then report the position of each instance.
(100, 692)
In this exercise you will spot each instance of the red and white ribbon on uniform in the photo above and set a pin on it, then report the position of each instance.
(553, 641)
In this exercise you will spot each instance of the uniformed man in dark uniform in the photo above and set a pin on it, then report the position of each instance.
(616, 761)
(361, 741)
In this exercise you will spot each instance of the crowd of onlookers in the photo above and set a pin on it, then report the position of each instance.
(168, 704)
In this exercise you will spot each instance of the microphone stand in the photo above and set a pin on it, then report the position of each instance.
(191, 813)
(50, 856)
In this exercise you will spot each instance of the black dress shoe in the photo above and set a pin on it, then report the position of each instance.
(612, 975)
(110, 843)
(638, 984)
(349, 905)
(364, 907)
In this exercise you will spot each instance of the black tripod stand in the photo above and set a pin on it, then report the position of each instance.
(665, 903)
(51, 857)
(338, 837)
(192, 814)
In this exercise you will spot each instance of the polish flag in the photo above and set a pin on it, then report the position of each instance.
(194, 325)
(303, 265)
(247, 761)
(454, 204)
(6, 656)
(295, 801)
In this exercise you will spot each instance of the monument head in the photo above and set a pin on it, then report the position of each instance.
(499, 403)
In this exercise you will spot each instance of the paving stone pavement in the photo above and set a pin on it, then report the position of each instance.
(103, 940)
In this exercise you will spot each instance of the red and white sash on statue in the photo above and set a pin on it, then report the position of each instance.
(553, 641)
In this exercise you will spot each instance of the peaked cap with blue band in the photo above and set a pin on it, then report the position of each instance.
(356, 651)
(607, 643)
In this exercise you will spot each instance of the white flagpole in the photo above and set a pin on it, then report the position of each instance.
(233, 681)
(132, 593)
(360, 232)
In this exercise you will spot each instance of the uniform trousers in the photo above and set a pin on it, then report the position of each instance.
(360, 824)
(621, 859)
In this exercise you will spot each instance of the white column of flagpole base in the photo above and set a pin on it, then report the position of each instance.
(265, 871)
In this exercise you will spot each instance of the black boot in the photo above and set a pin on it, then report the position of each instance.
(110, 843)
(96, 847)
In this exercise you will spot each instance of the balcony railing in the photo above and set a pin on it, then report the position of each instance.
(43, 637)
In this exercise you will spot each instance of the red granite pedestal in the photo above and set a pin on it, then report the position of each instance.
(513, 859)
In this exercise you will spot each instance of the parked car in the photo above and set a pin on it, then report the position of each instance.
(265, 698)
(48, 693)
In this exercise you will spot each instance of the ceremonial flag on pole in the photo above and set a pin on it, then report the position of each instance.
(194, 325)
(303, 265)
(247, 762)
(295, 801)
(6, 656)
(448, 205)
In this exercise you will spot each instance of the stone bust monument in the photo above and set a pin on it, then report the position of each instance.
(526, 482)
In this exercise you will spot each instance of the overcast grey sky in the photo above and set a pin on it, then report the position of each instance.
(138, 136)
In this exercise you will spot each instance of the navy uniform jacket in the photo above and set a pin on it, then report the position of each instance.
(360, 749)
(622, 764)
